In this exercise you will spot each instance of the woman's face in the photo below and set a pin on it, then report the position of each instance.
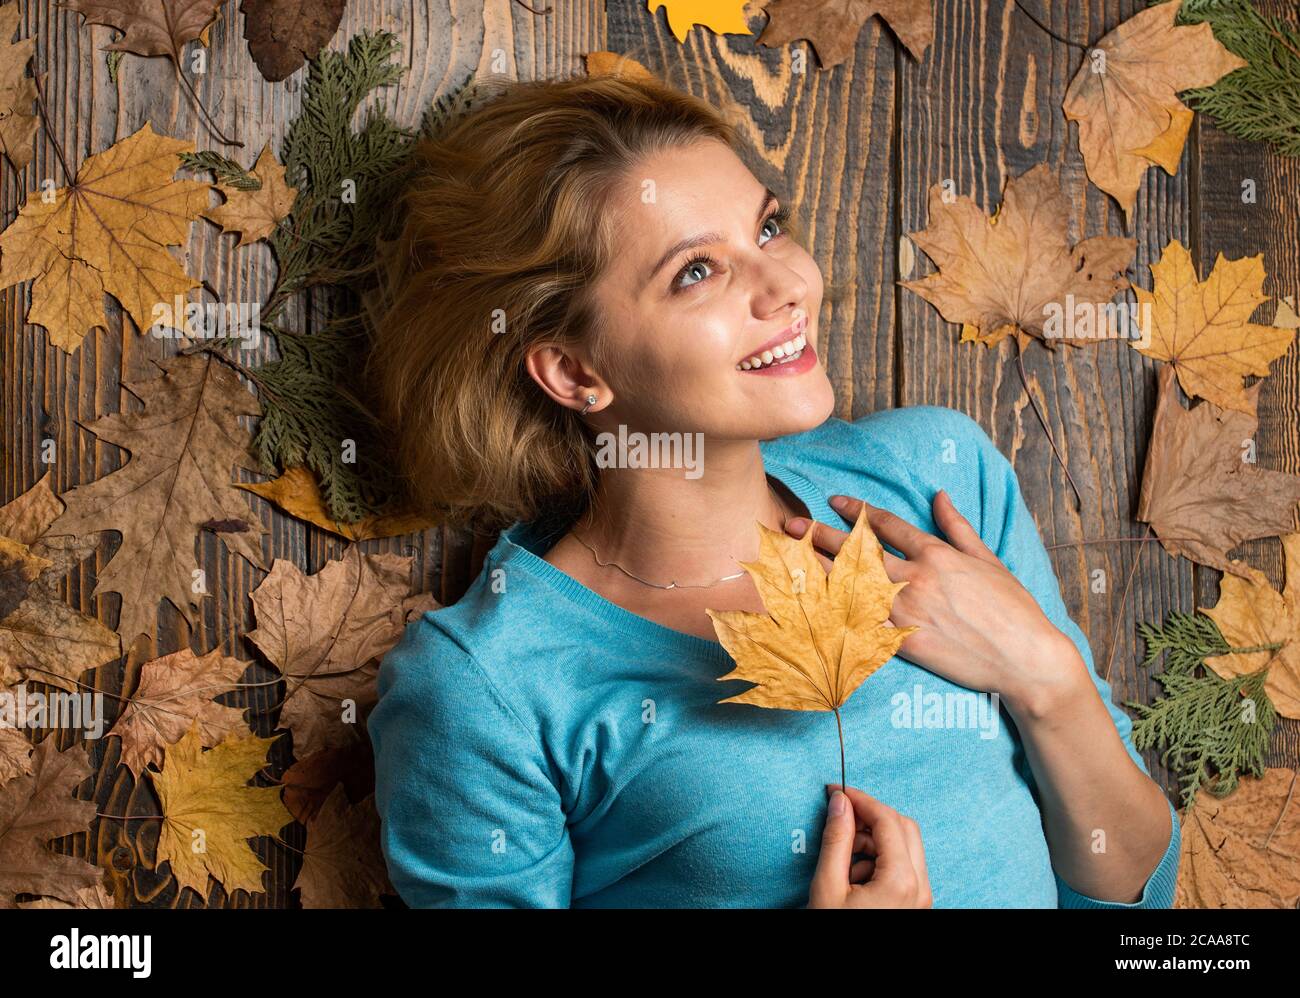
(704, 279)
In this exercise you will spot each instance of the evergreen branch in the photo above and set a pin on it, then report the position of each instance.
(346, 180)
(1189, 639)
(224, 170)
(1206, 729)
(1260, 101)
(349, 184)
(447, 108)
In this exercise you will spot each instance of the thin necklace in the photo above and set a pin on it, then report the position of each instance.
(674, 584)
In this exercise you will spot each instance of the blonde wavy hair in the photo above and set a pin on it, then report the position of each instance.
(504, 233)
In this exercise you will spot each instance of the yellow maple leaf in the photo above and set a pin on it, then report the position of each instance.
(604, 63)
(822, 636)
(1252, 614)
(255, 214)
(297, 492)
(210, 813)
(1204, 329)
(723, 17)
(109, 231)
(1285, 317)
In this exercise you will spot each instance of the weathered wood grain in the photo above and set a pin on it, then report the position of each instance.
(47, 393)
(983, 107)
(854, 150)
(1224, 170)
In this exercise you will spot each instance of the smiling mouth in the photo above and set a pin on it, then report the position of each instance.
(782, 353)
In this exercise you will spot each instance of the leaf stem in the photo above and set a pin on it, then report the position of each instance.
(1046, 30)
(130, 817)
(843, 774)
(1114, 638)
(203, 111)
(1251, 649)
(1115, 540)
(1024, 380)
(49, 129)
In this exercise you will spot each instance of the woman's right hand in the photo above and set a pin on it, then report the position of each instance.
(891, 873)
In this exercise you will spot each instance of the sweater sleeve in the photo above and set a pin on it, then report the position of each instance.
(985, 489)
(1012, 534)
(470, 815)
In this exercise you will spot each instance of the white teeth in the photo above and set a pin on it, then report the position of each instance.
(782, 354)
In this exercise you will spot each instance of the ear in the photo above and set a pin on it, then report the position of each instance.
(566, 376)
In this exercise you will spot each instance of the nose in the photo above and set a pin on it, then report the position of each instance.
(776, 287)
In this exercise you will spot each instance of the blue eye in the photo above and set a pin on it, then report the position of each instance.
(705, 262)
(776, 217)
(700, 261)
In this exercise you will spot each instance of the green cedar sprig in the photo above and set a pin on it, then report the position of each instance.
(1209, 734)
(224, 170)
(348, 185)
(345, 178)
(1188, 639)
(348, 182)
(1260, 101)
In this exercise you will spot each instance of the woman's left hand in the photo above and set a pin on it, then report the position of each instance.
(978, 626)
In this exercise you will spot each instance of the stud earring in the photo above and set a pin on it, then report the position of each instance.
(591, 400)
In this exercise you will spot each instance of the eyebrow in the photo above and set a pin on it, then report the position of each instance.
(705, 238)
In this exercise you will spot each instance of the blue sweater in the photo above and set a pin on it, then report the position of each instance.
(538, 745)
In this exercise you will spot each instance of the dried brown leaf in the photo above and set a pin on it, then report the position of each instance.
(1014, 272)
(833, 26)
(151, 27)
(18, 121)
(255, 214)
(1204, 329)
(325, 633)
(1125, 96)
(36, 807)
(283, 34)
(343, 866)
(1243, 850)
(183, 446)
(107, 232)
(307, 783)
(206, 798)
(822, 636)
(1199, 493)
(297, 492)
(1251, 613)
(176, 692)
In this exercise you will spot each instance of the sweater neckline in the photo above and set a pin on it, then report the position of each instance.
(521, 543)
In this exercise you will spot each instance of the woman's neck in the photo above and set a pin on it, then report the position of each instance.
(663, 526)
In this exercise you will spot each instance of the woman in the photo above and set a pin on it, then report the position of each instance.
(586, 264)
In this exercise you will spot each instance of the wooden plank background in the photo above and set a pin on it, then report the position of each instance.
(854, 149)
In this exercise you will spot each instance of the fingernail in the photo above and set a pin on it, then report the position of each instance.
(796, 525)
(839, 804)
(839, 503)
